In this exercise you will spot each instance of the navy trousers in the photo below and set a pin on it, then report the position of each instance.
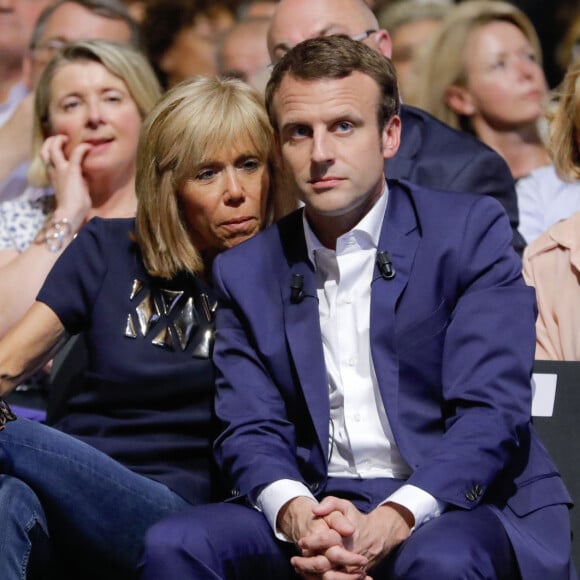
(234, 542)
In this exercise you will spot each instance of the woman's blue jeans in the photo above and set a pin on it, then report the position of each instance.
(60, 492)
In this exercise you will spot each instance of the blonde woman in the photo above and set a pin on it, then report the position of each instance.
(90, 103)
(552, 193)
(135, 442)
(481, 72)
(552, 261)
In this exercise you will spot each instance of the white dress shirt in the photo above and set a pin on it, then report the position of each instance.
(361, 444)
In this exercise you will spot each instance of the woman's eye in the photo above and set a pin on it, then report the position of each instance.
(251, 164)
(531, 57)
(205, 174)
(70, 105)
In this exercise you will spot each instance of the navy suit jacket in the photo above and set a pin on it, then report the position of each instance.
(437, 156)
(452, 339)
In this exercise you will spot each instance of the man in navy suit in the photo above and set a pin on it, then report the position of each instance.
(431, 153)
(374, 353)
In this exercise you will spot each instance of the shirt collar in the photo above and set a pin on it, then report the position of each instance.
(368, 228)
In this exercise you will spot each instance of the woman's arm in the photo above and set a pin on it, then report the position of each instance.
(21, 277)
(22, 274)
(29, 345)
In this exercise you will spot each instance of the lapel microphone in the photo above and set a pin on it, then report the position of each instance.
(297, 288)
(385, 265)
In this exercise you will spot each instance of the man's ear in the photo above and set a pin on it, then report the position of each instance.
(383, 43)
(460, 100)
(391, 136)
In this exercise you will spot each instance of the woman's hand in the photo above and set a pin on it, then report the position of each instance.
(73, 200)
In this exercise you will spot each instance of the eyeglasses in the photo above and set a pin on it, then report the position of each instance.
(48, 48)
(362, 35)
(358, 37)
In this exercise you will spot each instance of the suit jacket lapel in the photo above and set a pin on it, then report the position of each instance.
(400, 237)
(302, 325)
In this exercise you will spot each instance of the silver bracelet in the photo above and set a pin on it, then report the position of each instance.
(55, 232)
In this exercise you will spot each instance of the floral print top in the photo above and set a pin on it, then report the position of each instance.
(22, 218)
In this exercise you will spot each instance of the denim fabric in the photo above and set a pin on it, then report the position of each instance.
(97, 511)
(22, 522)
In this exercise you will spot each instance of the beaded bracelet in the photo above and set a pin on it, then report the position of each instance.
(55, 232)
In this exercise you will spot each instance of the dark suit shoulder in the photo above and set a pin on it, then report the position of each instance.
(265, 248)
(456, 140)
(440, 157)
(438, 208)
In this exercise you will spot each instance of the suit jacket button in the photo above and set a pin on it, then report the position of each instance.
(470, 496)
(478, 490)
(234, 492)
(314, 487)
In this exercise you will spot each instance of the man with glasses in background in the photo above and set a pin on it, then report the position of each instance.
(17, 18)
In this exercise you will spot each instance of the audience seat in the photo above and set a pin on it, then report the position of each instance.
(561, 433)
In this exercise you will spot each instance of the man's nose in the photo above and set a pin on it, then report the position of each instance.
(321, 147)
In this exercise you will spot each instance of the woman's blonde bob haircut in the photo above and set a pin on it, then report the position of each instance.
(441, 63)
(121, 60)
(191, 123)
(564, 142)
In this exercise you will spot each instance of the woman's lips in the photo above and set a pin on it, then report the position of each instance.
(98, 144)
(239, 224)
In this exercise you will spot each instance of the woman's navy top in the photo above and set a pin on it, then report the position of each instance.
(146, 397)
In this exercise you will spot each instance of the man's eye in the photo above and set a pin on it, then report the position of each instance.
(343, 126)
(299, 131)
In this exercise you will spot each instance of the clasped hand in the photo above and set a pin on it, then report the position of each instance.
(337, 541)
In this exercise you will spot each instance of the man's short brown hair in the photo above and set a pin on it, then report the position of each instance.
(336, 57)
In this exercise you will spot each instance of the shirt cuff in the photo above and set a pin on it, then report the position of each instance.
(421, 504)
(275, 496)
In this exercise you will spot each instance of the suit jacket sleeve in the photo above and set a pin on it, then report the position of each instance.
(486, 358)
(257, 443)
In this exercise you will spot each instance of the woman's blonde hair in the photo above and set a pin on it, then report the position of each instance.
(441, 63)
(565, 127)
(192, 121)
(121, 60)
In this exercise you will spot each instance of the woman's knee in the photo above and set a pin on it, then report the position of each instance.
(24, 537)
